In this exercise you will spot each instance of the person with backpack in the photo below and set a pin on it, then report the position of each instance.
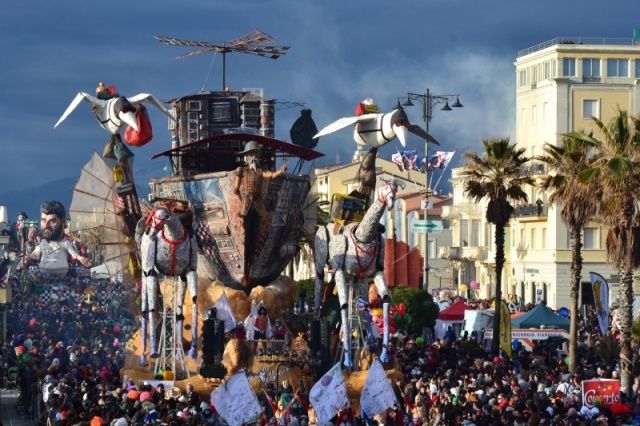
(450, 336)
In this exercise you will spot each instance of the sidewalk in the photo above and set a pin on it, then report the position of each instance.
(10, 416)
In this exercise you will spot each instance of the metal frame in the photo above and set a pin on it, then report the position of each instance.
(358, 344)
(170, 350)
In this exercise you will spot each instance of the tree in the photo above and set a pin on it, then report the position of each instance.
(616, 172)
(418, 304)
(566, 163)
(498, 176)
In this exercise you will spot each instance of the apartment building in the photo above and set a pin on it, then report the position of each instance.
(560, 85)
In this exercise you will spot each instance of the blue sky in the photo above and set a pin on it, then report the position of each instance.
(341, 53)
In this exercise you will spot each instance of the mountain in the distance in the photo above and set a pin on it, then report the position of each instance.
(29, 200)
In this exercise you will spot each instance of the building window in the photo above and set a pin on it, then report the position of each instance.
(534, 114)
(534, 74)
(521, 242)
(544, 238)
(522, 78)
(617, 68)
(532, 242)
(591, 238)
(569, 67)
(523, 117)
(475, 232)
(545, 111)
(433, 248)
(487, 234)
(590, 108)
(534, 151)
(637, 61)
(554, 68)
(591, 67)
(547, 70)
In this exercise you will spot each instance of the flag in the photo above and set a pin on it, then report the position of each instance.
(439, 160)
(397, 158)
(5, 280)
(636, 33)
(329, 395)
(505, 327)
(377, 394)
(236, 401)
(410, 157)
(601, 296)
(225, 313)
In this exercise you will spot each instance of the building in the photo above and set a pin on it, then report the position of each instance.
(560, 85)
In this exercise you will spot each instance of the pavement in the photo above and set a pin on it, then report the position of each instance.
(11, 416)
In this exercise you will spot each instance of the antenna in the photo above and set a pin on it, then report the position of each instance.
(255, 43)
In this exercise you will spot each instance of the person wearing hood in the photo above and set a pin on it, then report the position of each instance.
(207, 415)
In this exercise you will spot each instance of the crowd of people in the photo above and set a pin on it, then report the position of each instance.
(65, 353)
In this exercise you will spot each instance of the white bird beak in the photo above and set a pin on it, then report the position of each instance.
(401, 133)
(130, 119)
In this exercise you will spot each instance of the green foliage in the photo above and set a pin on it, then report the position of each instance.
(418, 304)
(309, 287)
(635, 333)
(609, 348)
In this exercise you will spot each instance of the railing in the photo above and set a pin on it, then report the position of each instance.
(530, 211)
(591, 79)
(449, 252)
(472, 253)
(596, 41)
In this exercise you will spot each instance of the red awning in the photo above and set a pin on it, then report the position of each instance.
(276, 144)
(454, 312)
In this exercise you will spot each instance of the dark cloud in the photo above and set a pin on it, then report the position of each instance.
(342, 53)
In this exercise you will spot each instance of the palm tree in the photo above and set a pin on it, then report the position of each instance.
(498, 176)
(616, 170)
(565, 164)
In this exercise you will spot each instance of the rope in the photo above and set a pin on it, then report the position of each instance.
(210, 66)
(359, 249)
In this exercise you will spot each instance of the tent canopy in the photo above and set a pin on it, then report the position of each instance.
(540, 315)
(454, 312)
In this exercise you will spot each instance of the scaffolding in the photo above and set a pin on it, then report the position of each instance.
(359, 347)
(170, 350)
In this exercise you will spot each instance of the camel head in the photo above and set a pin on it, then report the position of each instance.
(157, 219)
(387, 192)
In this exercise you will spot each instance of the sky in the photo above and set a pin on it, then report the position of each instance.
(341, 53)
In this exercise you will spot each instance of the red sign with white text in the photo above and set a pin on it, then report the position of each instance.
(605, 390)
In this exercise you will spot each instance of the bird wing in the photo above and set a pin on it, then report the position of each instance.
(344, 122)
(79, 98)
(138, 99)
(419, 131)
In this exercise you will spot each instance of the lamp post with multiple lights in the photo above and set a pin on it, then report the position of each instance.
(427, 101)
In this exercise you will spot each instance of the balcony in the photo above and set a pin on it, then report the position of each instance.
(590, 79)
(534, 169)
(473, 253)
(530, 212)
(463, 208)
(449, 253)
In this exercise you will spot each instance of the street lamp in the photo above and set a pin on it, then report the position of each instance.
(427, 101)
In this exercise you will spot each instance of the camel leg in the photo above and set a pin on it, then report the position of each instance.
(383, 291)
(321, 247)
(144, 305)
(192, 282)
(341, 286)
(152, 294)
(145, 333)
(179, 303)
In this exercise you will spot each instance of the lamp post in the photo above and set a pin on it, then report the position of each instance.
(427, 101)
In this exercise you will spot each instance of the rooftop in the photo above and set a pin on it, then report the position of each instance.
(591, 41)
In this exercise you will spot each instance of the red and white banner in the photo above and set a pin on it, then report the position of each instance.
(607, 391)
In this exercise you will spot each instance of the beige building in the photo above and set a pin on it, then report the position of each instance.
(560, 84)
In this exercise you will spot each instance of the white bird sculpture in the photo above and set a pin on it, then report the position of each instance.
(115, 113)
(378, 129)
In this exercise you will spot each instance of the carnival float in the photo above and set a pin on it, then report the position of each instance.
(233, 214)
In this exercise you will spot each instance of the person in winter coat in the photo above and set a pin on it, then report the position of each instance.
(207, 415)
